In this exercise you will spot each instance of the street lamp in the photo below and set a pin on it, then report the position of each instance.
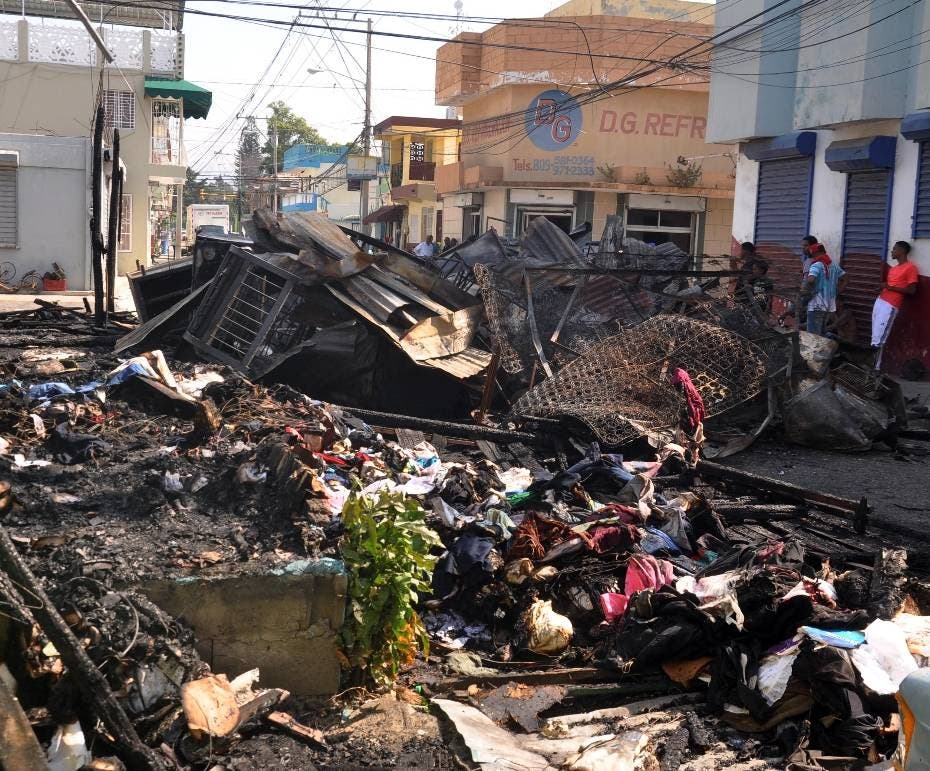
(314, 71)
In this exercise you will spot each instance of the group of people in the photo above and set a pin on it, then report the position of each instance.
(821, 297)
(429, 248)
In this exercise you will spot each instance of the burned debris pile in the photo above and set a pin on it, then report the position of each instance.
(196, 553)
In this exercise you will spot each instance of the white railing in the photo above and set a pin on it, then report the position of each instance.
(63, 41)
(127, 44)
(9, 39)
(164, 51)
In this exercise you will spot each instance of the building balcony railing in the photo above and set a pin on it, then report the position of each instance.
(64, 41)
(418, 171)
(421, 171)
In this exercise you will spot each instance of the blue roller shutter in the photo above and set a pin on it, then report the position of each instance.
(782, 217)
(865, 240)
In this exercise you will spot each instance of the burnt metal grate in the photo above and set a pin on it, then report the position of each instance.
(251, 313)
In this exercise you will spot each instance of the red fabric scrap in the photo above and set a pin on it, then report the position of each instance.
(626, 514)
(613, 538)
(536, 534)
(646, 572)
(613, 605)
(693, 399)
(334, 459)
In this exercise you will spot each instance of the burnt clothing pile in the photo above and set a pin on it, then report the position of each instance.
(599, 563)
(146, 470)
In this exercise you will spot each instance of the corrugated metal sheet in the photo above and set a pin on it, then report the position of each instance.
(782, 216)
(865, 238)
(468, 363)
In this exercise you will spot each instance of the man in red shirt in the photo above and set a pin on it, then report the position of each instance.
(901, 282)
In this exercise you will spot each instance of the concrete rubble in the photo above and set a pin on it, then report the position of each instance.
(200, 522)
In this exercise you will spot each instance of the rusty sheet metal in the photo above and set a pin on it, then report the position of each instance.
(468, 363)
(521, 703)
(442, 335)
(398, 285)
(464, 364)
(379, 300)
(322, 231)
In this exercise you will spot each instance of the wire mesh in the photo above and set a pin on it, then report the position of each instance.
(620, 388)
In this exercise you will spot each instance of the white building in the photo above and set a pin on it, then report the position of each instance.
(829, 104)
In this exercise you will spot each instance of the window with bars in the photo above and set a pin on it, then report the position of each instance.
(119, 109)
(125, 225)
(166, 131)
(426, 223)
(417, 151)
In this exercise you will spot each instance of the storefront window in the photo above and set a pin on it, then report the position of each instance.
(661, 227)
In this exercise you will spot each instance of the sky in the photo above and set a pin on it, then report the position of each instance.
(228, 57)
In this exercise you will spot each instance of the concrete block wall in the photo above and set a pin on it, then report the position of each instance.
(286, 625)
(610, 35)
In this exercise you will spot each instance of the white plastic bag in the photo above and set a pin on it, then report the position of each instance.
(550, 632)
(884, 661)
(68, 750)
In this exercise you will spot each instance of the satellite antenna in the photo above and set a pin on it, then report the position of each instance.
(459, 22)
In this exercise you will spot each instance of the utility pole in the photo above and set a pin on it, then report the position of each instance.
(364, 187)
(95, 35)
(274, 145)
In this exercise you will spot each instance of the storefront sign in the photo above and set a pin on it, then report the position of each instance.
(553, 120)
(660, 124)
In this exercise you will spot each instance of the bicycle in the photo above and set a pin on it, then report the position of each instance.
(30, 282)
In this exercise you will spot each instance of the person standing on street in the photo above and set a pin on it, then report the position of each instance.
(824, 281)
(900, 283)
(425, 248)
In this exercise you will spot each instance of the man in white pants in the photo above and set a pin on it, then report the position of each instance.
(901, 282)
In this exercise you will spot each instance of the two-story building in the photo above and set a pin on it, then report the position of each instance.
(324, 185)
(414, 149)
(834, 140)
(50, 71)
(545, 133)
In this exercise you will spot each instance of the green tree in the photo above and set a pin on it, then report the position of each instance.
(291, 129)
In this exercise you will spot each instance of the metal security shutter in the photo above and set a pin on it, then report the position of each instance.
(782, 215)
(865, 239)
(922, 202)
(8, 233)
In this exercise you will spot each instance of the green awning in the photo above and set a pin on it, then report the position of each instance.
(197, 100)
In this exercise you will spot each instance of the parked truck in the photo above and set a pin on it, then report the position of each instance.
(211, 216)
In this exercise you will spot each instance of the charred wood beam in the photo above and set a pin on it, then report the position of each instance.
(848, 508)
(444, 428)
(759, 512)
(113, 222)
(89, 680)
(19, 748)
(96, 237)
(638, 271)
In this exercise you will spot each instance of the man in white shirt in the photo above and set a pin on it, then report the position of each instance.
(425, 248)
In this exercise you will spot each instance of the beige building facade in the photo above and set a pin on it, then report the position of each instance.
(415, 151)
(545, 135)
(52, 73)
